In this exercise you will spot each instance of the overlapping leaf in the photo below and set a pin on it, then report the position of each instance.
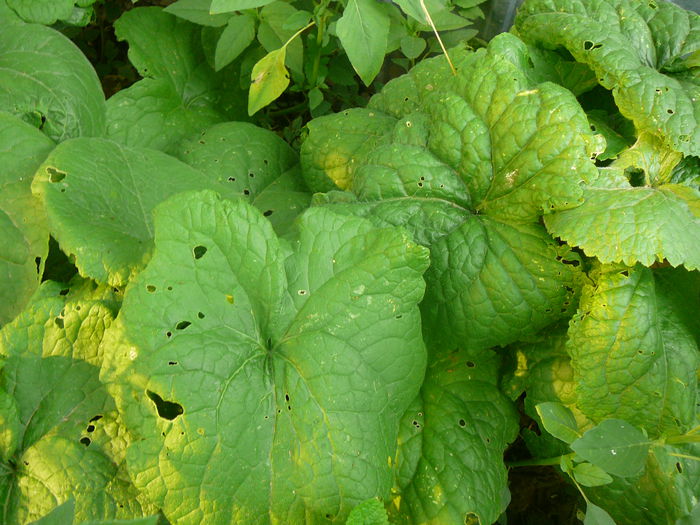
(450, 459)
(634, 350)
(469, 166)
(49, 83)
(637, 50)
(253, 163)
(49, 11)
(180, 94)
(118, 187)
(664, 493)
(61, 435)
(24, 233)
(264, 379)
(618, 222)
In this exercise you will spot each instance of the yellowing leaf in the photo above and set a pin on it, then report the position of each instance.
(269, 79)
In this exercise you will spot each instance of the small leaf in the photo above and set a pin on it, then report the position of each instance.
(237, 35)
(196, 11)
(369, 512)
(226, 6)
(412, 46)
(315, 98)
(615, 446)
(597, 516)
(590, 475)
(297, 21)
(363, 30)
(269, 79)
(559, 421)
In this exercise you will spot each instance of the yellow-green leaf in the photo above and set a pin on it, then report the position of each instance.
(269, 79)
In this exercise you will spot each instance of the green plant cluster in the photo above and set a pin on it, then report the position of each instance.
(497, 252)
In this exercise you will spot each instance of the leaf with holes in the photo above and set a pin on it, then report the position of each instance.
(469, 168)
(252, 163)
(450, 460)
(66, 439)
(24, 233)
(281, 366)
(117, 187)
(637, 50)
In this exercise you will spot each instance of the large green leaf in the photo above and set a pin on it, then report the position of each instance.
(252, 163)
(452, 439)
(68, 441)
(637, 50)
(263, 379)
(469, 166)
(180, 94)
(24, 234)
(34, 84)
(42, 11)
(117, 188)
(621, 223)
(633, 348)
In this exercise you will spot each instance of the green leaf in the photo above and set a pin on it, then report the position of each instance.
(452, 439)
(558, 421)
(34, 85)
(551, 66)
(70, 443)
(197, 11)
(269, 79)
(224, 303)
(117, 187)
(24, 233)
(621, 223)
(633, 348)
(596, 516)
(180, 95)
(45, 12)
(251, 163)
(589, 475)
(335, 141)
(150, 113)
(412, 46)
(62, 514)
(469, 168)
(629, 46)
(664, 493)
(227, 6)
(370, 512)
(615, 446)
(273, 33)
(237, 35)
(363, 31)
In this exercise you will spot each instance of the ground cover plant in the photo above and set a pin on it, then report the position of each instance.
(458, 270)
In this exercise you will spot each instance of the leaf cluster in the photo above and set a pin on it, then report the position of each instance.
(240, 332)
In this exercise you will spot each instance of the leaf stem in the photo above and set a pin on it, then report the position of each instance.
(684, 438)
(684, 456)
(313, 22)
